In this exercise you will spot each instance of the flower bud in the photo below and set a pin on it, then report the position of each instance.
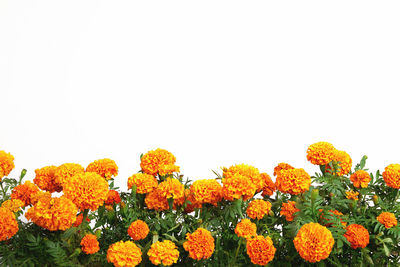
(314, 194)
(375, 199)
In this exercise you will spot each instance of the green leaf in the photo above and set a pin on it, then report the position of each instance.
(386, 249)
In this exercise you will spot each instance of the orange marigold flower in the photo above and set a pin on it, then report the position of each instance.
(112, 197)
(158, 161)
(282, 166)
(106, 168)
(207, 191)
(35, 197)
(200, 244)
(260, 249)
(388, 219)
(79, 220)
(13, 205)
(320, 153)
(357, 235)
(246, 170)
(333, 213)
(360, 178)
(288, 210)
(156, 201)
(89, 244)
(53, 213)
(258, 208)
(6, 163)
(8, 224)
(293, 181)
(24, 192)
(124, 254)
(345, 162)
(352, 195)
(391, 176)
(238, 186)
(65, 171)
(138, 230)
(314, 242)
(171, 188)
(145, 183)
(87, 190)
(189, 196)
(269, 187)
(45, 179)
(245, 228)
(164, 252)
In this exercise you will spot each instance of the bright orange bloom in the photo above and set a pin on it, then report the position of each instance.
(79, 220)
(112, 197)
(124, 254)
(269, 187)
(145, 183)
(258, 208)
(388, 219)
(200, 244)
(260, 249)
(53, 213)
(45, 179)
(87, 190)
(138, 230)
(293, 181)
(357, 235)
(352, 195)
(66, 171)
(89, 244)
(360, 178)
(288, 210)
(158, 161)
(246, 170)
(8, 224)
(391, 176)
(24, 192)
(156, 201)
(207, 191)
(238, 186)
(106, 168)
(6, 163)
(345, 162)
(35, 197)
(320, 153)
(171, 188)
(334, 213)
(164, 252)
(314, 242)
(13, 205)
(245, 228)
(282, 166)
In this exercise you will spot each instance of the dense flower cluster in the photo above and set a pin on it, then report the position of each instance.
(352, 195)
(269, 187)
(106, 168)
(238, 186)
(207, 191)
(45, 179)
(314, 242)
(89, 244)
(113, 197)
(65, 171)
(144, 183)
(164, 252)
(391, 176)
(388, 219)
(360, 178)
(288, 210)
(158, 161)
(6, 163)
(246, 170)
(258, 208)
(245, 228)
(24, 192)
(344, 162)
(200, 244)
(124, 254)
(13, 205)
(260, 249)
(293, 181)
(138, 230)
(357, 235)
(320, 153)
(8, 224)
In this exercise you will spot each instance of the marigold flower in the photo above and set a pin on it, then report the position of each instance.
(258, 208)
(334, 213)
(13, 205)
(45, 179)
(352, 195)
(207, 191)
(238, 186)
(138, 230)
(164, 252)
(35, 197)
(246, 170)
(6, 163)
(360, 178)
(345, 162)
(357, 235)
(320, 153)
(53, 213)
(288, 210)
(8, 224)
(171, 188)
(200, 244)
(158, 161)
(87, 190)
(245, 228)
(269, 187)
(79, 220)
(89, 244)
(156, 201)
(260, 249)
(293, 181)
(112, 197)
(65, 171)
(391, 176)
(106, 168)
(145, 183)
(24, 192)
(388, 219)
(314, 242)
(124, 254)
(282, 166)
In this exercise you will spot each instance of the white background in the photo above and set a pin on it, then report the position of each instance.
(214, 82)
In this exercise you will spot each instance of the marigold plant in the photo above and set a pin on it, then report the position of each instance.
(158, 161)
(6, 163)
(288, 210)
(106, 168)
(360, 178)
(258, 208)
(391, 176)
(357, 235)
(138, 230)
(269, 186)
(124, 254)
(293, 181)
(45, 179)
(321, 153)
(238, 186)
(89, 244)
(164, 252)
(144, 183)
(260, 249)
(388, 219)
(65, 171)
(245, 228)
(8, 224)
(199, 244)
(206, 191)
(246, 170)
(24, 192)
(13, 205)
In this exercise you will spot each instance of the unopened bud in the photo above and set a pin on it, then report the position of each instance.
(314, 194)
(375, 199)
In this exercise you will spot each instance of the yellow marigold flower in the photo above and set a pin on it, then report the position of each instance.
(6, 163)
(334, 213)
(200, 244)
(66, 171)
(124, 254)
(388, 219)
(360, 178)
(145, 183)
(53, 214)
(238, 186)
(207, 191)
(24, 192)
(45, 179)
(87, 190)
(8, 224)
(314, 242)
(352, 195)
(79, 220)
(293, 181)
(269, 187)
(345, 162)
(245, 228)
(260, 249)
(158, 161)
(35, 197)
(164, 252)
(89, 244)
(258, 208)
(320, 153)
(13, 205)
(288, 210)
(171, 188)
(246, 170)
(138, 230)
(357, 235)
(391, 176)
(156, 201)
(112, 198)
(282, 166)
(106, 168)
